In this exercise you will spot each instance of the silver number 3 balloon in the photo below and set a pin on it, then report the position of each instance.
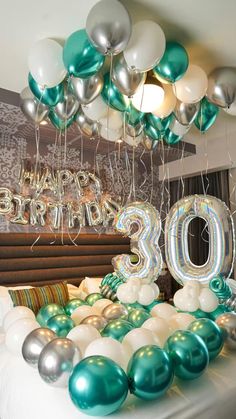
(141, 222)
(221, 239)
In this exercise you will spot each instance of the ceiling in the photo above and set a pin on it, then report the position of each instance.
(205, 27)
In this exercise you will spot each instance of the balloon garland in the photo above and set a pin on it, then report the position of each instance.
(76, 84)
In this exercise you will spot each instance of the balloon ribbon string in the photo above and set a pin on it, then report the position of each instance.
(152, 178)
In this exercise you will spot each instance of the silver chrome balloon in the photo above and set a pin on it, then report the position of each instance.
(149, 144)
(57, 361)
(185, 113)
(32, 108)
(134, 131)
(86, 125)
(34, 344)
(177, 128)
(93, 213)
(221, 239)
(98, 322)
(114, 311)
(86, 90)
(222, 86)
(68, 107)
(6, 204)
(126, 79)
(228, 322)
(108, 26)
(143, 242)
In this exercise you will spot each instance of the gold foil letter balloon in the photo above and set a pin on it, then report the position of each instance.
(221, 239)
(141, 222)
(6, 205)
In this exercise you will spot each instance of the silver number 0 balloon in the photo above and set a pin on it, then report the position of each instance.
(143, 243)
(221, 239)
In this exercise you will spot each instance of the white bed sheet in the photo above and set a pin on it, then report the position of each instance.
(23, 395)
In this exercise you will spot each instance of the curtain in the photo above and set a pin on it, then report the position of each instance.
(216, 184)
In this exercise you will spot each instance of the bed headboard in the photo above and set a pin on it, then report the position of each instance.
(46, 263)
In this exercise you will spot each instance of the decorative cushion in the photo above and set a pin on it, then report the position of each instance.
(36, 298)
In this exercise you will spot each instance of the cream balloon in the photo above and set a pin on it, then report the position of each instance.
(181, 321)
(113, 120)
(208, 301)
(96, 109)
(137, 338)
(193, 85)
(163, 310)
(17, 313)
(110, 348)
(146, 46)
(83, 335)
(17, 333)
(82, 312)
(168, 104)
(46, 64)
(101, 304)
(110, 134)
(160, 327)
(146, 295)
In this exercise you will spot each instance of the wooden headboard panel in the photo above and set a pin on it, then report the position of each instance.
(46, 263)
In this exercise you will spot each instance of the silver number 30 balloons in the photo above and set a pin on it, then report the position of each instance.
(141, 222)
(221, 239)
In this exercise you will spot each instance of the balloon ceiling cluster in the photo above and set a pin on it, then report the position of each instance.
(123, 81)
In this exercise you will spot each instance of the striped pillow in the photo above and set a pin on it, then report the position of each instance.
(35, 298)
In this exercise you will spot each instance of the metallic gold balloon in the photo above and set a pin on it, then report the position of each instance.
(227, 322)
(221, 236)
(150, 372)
(33, 110)
(57, 360)
(126, 79)
(222, 86)
(114, 311)
(87, 126)
(72, 305)
(143, 242)
(19, 216)
(117, 329)
(210, 334)
(86, 90)
(76, 216)
(186, 113)
(93, 213)
(110, 209)
(6, 204)
(188, 353)
(98, 386)
(98, 322)
(38, 210)
(67, 108)
(61, 324)
(34, 344)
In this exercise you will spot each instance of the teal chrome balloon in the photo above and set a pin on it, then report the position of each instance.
(133, 116)
(150, 372)
(92, 298)
(206, 115)
(112, 96)
(210, 333)
(98, 386)
(131, 307)
(160, 124)
(188, 353)
(221, 309)
(49, 96)
(48, 311)
(173, 64)
(80, 57)
(171, 138)
(117, 329)
(137, 317)
(61, 324)
(72, 305)
(199, 314)
(152, 132)
(60, 123)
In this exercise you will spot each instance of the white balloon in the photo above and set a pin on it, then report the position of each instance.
(208, 301)
(156, 289)
(160, 327)
(181, 321)
(192, 86)
(146, 295)
(185, 302)
(110, 134)
(83, 335)
(113, 120)
(168, 104)
(96, 109)
(46, 64)
(101, 304)
(192, 288)
(127, 294)
(137, 338)
(17, 313)
(163, 310)
(110, 348)
(17, 333)
(82, 312)
(146, 46)
(133, 141)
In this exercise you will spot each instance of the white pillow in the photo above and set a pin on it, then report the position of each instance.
(6, 303)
